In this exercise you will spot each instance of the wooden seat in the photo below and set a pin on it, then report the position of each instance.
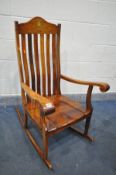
(67, 112)
(38, 52)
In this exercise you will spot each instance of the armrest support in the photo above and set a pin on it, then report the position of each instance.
(46, 105)
(102, 86)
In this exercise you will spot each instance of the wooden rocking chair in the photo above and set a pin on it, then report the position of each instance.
(38, 51)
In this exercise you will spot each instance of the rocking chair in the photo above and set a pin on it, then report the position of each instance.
(38, 52)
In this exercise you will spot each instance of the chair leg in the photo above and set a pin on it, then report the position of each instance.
(34, 143)
(45, 143)
(85, 133)
(87, 125)
(25, 120)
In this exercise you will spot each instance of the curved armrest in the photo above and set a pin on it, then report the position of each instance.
(46, 105)
(102, 86)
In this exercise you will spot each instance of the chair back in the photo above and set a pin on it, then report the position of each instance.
(38, 50)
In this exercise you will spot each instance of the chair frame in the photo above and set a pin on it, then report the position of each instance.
(45, 104)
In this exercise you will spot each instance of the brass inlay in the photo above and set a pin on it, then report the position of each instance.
(39, 24)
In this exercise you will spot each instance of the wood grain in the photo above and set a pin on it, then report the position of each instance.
(43, 64)
(31, 63)
(37, 63)
(51, 112)
(48, 63)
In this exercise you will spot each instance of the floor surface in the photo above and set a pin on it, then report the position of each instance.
(69, 153)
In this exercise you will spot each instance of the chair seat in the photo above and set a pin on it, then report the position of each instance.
(67, 112)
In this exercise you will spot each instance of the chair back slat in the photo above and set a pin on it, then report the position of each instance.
(31, 62)
(38, 53)
(43, 68)
(48, 63)
(58, 58)
(54, 61)
(37, 63)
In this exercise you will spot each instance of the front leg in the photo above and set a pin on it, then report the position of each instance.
(88, 114)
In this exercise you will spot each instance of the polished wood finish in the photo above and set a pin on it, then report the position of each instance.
(31, 61)
(37, 64)
(38, 52)
(48, 63)
(44, 103)
(103, 86)
(33, 141)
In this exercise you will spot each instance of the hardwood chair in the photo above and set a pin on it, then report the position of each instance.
(38, 51)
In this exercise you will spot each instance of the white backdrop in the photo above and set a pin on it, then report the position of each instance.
(88, 39)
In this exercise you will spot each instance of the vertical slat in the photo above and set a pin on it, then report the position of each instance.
(43, 64)
(48, 63)
(58, 57)
(24, 57)
(37, 63)
(31, 60)
(54, 61)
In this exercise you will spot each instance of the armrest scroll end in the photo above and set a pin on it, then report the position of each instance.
(104, 87)
(48, 108)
